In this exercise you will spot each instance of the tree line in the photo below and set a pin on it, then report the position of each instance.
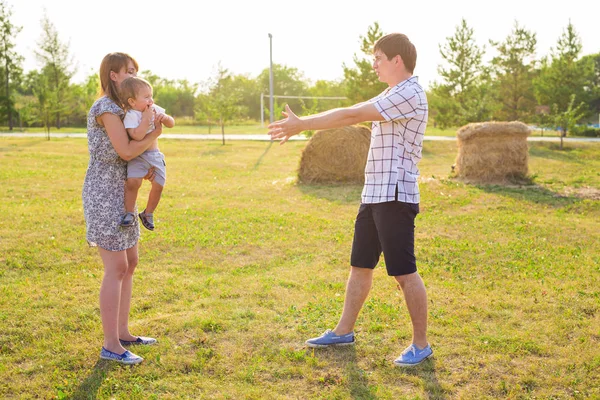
(557, 90)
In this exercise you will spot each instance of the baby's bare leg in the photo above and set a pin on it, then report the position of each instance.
(153, 197)
(132, 186)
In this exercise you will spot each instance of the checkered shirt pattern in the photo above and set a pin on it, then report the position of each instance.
(396, 144)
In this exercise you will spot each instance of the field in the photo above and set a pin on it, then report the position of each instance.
(246, 264)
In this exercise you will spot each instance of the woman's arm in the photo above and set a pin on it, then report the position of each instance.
(136, 134)
(125, 148)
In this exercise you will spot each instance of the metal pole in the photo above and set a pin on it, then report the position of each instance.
(271, 77)
(262, 110)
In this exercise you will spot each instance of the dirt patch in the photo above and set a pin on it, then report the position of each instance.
(583, 193)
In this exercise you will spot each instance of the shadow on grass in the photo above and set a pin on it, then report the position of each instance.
(532, 193)
(217, 150)
(552, 151)
(20, 146)
(340, 193)
(345, 359)
(89, 387)
(426, 371)
(259, 161)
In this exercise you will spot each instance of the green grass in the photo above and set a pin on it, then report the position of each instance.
(245, 264)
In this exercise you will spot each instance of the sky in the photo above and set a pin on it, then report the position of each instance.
(183, 39)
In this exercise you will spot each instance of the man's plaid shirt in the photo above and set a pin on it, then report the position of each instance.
(396, 144)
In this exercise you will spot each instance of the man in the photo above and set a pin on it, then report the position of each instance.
(390, 197)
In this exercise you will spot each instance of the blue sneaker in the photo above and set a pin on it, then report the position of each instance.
(128, 220)
(139, 340)
(127, 358)
(413, 356)
(147, 220)
(329, 338)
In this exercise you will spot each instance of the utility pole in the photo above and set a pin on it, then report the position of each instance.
(271, 77)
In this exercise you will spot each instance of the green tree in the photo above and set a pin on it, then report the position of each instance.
(514, 70)
(223, 101)
(323, 88)
(591, 64)
(80, 97)
(57, 67)
(287, 81)
(204, 110)
(176, 96)
(10, 60)
(566, 120)
(463, 95)
(36, 85)
(361, 82)
(561, 76)
(248, 94)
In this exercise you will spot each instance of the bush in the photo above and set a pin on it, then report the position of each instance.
(585, 131)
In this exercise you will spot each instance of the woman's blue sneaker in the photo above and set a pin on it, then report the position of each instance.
(139, 340)
(413, 356)
(329, 338)
(127, 358)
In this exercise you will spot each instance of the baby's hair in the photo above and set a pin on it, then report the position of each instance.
(130, 88)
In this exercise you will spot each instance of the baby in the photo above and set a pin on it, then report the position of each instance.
(140, 119)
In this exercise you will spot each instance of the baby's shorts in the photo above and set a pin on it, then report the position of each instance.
(139, 166)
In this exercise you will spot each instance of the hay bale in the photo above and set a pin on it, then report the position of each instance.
(336, 156)
(492, 152)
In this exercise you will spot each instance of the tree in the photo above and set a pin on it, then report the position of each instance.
(287, 81)
(176, 96)
(566, 120)
(561, 76)
(10, 60)
(463, 95)
(222, 99)
(323, 88)
(54, 55)
(38, 84)
(591, 63)
(248, 93)
(514, 70)
(80, 98)
(361, 82)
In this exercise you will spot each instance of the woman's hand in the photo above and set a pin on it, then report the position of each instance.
(151, 174)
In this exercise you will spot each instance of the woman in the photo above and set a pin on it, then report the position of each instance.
(103, 203)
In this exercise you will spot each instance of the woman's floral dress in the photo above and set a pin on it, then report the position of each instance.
(104, 186)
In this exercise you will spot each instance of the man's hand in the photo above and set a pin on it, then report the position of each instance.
(286, 128)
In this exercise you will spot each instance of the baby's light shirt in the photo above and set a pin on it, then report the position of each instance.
(133, 118)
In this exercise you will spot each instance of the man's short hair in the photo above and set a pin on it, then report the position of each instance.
(396, 44)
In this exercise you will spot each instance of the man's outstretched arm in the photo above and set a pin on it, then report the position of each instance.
(336, 118)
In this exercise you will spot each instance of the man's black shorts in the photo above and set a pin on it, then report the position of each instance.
(387, 227)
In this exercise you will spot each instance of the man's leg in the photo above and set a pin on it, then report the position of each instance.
(365, 255)
(415, 296)
(357, 290)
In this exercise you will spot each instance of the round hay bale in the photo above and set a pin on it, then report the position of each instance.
(336, 156)
(491, 152)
